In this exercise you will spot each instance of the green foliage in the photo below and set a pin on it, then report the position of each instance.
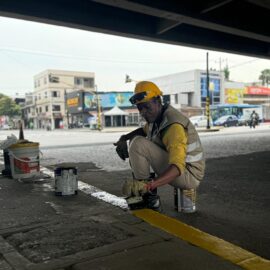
(8, 107)
(265, 77)
(226, 73)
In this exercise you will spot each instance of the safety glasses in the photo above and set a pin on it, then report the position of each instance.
(137, 98)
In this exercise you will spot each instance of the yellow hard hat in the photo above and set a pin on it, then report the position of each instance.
(145, 91)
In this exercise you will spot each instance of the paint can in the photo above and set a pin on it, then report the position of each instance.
(66, 182)
(185, 200)
(24, 159)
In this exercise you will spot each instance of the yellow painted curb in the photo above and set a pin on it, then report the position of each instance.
(215, 245)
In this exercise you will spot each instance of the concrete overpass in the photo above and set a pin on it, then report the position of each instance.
(235, 26)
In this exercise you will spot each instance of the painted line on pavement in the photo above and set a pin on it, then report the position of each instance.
(94, 192)
(213, 244)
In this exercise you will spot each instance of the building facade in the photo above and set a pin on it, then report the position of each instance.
(187, 91)
(46, 106)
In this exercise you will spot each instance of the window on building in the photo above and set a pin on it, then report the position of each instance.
(136, 117)
(78, 81)
(56, 108)
(39, 96)
(189, 99)
(46, 108)
(53, 79)
(45, 95)
(40, 109)
(45, 80)
(88, 82)
(216, 100)
(85, 82)
(176, 98)
(55, 94)
(36, 110)
(133, 118)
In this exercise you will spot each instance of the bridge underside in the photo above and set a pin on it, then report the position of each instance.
(234, 26)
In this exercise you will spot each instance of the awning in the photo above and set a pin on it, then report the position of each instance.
(115, 111)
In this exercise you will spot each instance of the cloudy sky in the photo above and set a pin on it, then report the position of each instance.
(28, 48)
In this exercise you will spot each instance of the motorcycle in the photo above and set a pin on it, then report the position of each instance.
(253, 122)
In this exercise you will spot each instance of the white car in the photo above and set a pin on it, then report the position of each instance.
(5, 127)
(200, 121)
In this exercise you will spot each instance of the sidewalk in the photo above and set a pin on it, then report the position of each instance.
(41, 231)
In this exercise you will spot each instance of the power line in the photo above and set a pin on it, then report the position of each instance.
(87, 58)
(244, 63)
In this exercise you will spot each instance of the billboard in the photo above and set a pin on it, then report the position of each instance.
(234, 95)
(116, 99)
(90, 101)
(107, 100)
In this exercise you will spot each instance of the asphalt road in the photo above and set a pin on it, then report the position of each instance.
(98, 147)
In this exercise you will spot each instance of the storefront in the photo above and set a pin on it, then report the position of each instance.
(115, 117)
(112, 109)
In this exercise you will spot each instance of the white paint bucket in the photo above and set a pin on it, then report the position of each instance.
(24, 160)
(185, 200)
(66, 182)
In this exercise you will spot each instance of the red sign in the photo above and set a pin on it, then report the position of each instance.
(257, 90)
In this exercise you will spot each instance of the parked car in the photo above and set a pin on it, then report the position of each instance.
(243, 121)
(227, 121)
(5, 127)
(200, 121)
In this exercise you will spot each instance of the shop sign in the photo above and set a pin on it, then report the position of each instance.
(71, 102)
(257, 90)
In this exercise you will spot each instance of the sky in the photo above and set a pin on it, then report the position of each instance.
(27, 48)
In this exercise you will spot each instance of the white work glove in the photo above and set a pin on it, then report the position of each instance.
(134, 188)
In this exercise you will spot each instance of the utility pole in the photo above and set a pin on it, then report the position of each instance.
(66, 109)
(98, 111)
(52, 118)
(207, 98)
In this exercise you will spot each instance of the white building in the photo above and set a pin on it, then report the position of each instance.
(187, 90)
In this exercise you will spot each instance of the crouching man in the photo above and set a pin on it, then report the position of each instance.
(168, 144)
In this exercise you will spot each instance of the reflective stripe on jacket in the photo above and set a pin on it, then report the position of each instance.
(195, 162)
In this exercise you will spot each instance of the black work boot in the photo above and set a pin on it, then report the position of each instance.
(135, 203)
(152, 200)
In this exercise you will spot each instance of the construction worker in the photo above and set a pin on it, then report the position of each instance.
(168, 144)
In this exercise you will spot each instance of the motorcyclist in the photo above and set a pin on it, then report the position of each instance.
(254, 119)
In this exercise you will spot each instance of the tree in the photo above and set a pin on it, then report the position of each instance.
(226, 72)
(8, 107)
(265, 77)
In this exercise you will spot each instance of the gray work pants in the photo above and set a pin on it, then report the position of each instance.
(144, 154)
